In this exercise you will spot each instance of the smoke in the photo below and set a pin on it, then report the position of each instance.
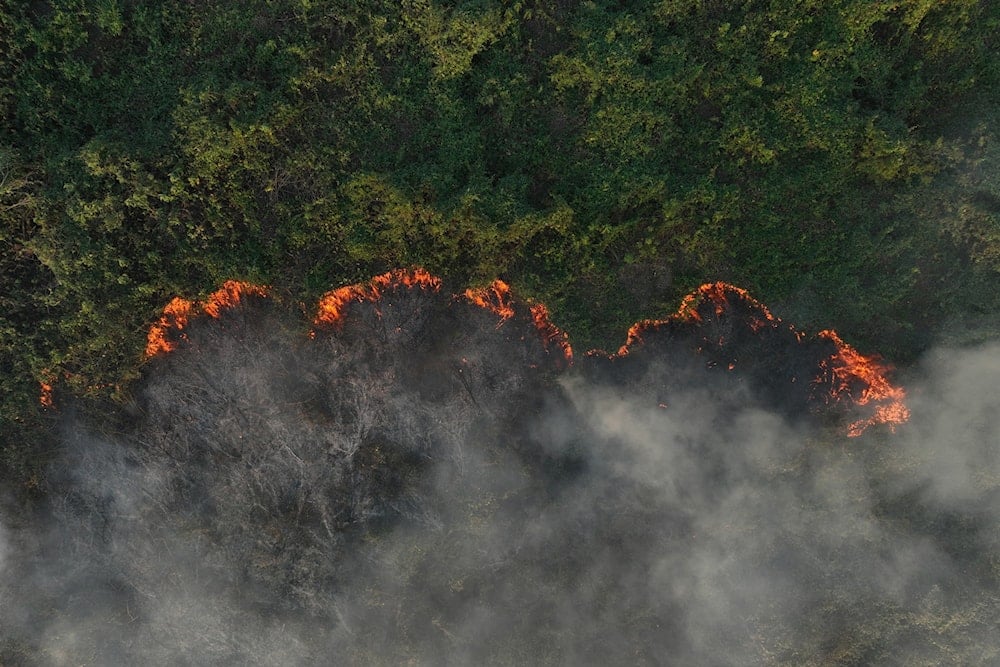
(963, 474)
(3, 546)
(424, 483)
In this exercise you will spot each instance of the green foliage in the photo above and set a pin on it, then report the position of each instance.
(837, 158)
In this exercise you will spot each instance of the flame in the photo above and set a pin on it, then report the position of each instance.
(332, 304)
(229, 295)
(635, 335)
(495, 298)
(720, 295)
(849, 370)
(46, 386)
(175, 318)
(850, 375)
(550, 334)
(177, 314)
(45, 394)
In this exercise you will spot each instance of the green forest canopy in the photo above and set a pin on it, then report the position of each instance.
(837, 158)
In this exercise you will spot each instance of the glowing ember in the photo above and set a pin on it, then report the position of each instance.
(862, 379)
(495, 297)
(332, 304)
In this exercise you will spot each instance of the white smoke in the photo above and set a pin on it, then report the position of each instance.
(364, 501)
(953, 442)
(3, 546)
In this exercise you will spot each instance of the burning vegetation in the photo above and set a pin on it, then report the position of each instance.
(711, 300)
(169, 329)
(495, 297)
(550, 334)
(727, 328)
(333, 303)
(853, 377)
(717, 327)
(45, 394)
(444, 450)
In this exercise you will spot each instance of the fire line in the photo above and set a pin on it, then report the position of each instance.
(844, 377)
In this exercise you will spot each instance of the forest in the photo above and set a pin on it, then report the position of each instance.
(838, 159)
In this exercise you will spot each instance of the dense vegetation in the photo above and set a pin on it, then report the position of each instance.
(839, 159)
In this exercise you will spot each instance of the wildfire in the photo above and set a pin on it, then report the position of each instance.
(175, 318)
(47, 385)
(852, 371)
(718, 320)
(495, 297)
(332, 304)
(633, 336)
(179, 311)
(45, 395)
(550, 334)
(229, 295)
(720, 295)
(848, 374)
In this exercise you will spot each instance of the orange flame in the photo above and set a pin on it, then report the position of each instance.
(718, 294)
(851, 375)
(332, 304)
(848, 371)
(179, 311)
(175, 317)
(495, 298)
(498, 299)
(635, 334)
(550, 333)
(45, 395)
(851, 369)
(229, 295)
(47, 386)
